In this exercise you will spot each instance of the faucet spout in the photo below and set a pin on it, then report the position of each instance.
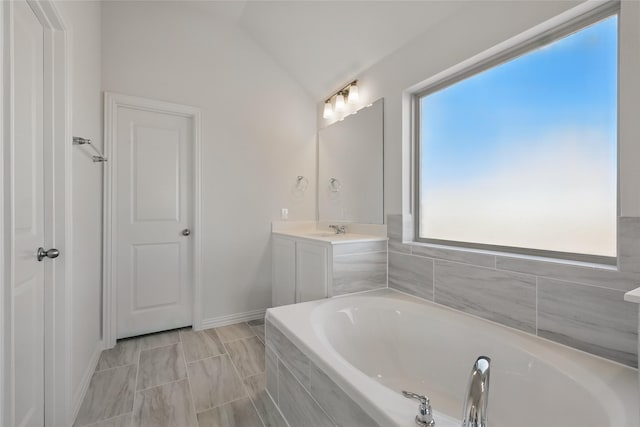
(476, 399)
(339, 229)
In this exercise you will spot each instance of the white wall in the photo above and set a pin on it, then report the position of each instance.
(258, 130)
(474, 28)
(83, 23)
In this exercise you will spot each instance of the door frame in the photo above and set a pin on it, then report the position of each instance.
(57, 205)
(113, 101)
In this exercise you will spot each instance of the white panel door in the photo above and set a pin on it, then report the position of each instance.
(28, 218)
(312, 276)
(283, 271)
(154, 192)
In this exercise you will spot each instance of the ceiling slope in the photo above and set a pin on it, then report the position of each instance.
(324, 44)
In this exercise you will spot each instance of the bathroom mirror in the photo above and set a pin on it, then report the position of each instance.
(350, 176)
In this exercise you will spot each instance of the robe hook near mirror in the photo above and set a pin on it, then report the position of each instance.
(335, 185)
(301, 183)
(98, 157)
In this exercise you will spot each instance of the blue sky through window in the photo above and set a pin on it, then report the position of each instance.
(524, 154)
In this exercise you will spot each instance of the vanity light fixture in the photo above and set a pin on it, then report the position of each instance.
(339, 101)
(336, 102)
(353, 93)
(328, 110)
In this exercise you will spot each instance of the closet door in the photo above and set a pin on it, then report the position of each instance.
(154, 191)
(28, 217)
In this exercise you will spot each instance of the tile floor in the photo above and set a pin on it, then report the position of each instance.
(183, 378)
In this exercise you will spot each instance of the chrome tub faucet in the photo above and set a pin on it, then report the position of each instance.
(425, 414)
(476, 399)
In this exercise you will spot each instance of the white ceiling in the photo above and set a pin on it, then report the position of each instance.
(325, 44)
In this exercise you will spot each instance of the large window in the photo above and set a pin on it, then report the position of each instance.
(520, 154)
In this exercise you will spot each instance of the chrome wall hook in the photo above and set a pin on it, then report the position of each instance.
(98, 158)
(301, 182)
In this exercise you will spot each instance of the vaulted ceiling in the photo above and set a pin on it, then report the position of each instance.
(324, 44)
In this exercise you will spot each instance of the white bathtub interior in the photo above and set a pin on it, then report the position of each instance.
(376, 344)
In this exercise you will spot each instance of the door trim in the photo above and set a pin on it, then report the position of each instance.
(58, 204)
(112, 101)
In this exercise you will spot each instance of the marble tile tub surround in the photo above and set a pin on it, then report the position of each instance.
(305, 395)
(577, 304)
(183, 378)
(633, 296)
(359, 267)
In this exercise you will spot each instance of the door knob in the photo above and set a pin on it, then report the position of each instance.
(51, 253)
(186, 232)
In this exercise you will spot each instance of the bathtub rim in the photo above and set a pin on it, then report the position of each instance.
(352, 381)
(409, 297)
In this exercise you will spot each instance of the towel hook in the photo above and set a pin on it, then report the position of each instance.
(98, 157)
(302, 183)
(335, 185)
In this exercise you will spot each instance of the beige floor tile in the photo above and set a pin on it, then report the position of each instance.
(161, 365)
(214, 382)
(168, 405)
(119, 421)
(239, 413)
(170, 394)
(234, 332)
(247, 355)
(110, 394)
(200, 345)
(159, 339)
(124, 353)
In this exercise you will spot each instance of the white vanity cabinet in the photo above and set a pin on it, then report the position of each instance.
(300, 270)
(283, 271)
(312, 265)
(312, 270)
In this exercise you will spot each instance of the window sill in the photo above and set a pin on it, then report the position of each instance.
(459, 252)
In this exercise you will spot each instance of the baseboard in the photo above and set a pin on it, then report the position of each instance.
(214, 322)
(78, 396)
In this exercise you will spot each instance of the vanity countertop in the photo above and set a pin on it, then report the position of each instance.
(330, 237)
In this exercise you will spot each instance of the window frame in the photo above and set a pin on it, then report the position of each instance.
(560, 31)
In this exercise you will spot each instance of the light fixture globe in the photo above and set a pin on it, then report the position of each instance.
(328, 110)
(354, 95)
(339, 102)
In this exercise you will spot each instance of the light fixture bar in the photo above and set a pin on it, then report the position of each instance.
(343, 91)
